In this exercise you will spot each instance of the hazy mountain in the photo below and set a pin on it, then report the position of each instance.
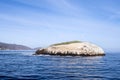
(37, 48)
(7, 46)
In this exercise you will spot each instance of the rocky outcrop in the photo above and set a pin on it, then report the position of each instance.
(73, 49)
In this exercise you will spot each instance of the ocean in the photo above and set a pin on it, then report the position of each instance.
(22, 65)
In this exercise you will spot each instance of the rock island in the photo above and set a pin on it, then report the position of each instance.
(72, 48)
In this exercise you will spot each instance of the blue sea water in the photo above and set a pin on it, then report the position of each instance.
(22, 65)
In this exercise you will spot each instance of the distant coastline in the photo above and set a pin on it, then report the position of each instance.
(7, 46)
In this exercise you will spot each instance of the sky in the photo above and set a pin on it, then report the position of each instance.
(39, 23)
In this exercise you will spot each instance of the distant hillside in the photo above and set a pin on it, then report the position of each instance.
(6, 46)
(37, 48)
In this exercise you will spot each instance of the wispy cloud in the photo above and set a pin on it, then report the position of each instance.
(49, 21)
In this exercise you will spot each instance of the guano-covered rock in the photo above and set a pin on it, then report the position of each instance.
(72, 48)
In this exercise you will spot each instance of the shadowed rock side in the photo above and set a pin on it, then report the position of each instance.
(73, 49)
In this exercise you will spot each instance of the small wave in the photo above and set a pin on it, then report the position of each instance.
(2, 77)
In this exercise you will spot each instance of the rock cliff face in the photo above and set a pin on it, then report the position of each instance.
(73, 49)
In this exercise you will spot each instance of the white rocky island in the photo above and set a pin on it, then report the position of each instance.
(72, 48)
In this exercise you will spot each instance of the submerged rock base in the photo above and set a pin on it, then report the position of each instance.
(38, 52)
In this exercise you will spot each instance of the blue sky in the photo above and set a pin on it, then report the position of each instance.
(43, 22)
